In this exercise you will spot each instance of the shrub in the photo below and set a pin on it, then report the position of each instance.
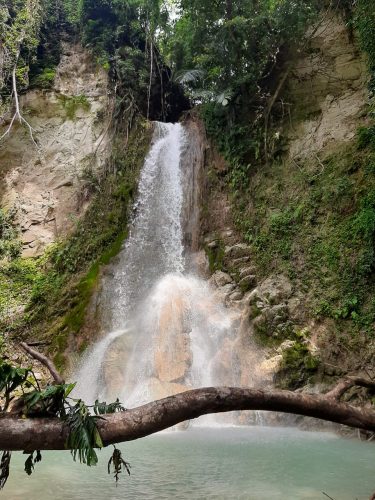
(45, 79)
(366, 137)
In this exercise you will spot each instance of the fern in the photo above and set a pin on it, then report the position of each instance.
(102, 408)
(189, 76)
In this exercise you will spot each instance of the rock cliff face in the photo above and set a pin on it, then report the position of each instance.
(262, 311)
(45, 183)
(322, 106)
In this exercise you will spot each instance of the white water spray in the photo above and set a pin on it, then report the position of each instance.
(169, 333)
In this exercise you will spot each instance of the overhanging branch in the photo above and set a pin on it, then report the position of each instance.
(51, 434)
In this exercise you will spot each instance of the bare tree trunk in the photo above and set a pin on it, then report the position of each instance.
(229, 10)
(50, 433)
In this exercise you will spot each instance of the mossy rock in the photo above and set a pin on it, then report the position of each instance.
(215, 255)
(297, 367)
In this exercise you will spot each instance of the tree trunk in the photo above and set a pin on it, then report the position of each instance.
(50, 433)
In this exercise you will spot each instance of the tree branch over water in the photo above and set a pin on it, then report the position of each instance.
(51, 433)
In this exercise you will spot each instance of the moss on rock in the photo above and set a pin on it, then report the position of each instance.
(297, 366)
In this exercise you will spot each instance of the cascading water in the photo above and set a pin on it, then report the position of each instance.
(168, 330)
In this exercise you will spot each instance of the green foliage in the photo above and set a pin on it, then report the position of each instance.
(103, 408)
(364, 21)
(72, 104)
(9, 244)
(239, 143)
(122, 37)
(366, 137)
(84, 436)
(4, 467)
(73, 11)
(17, 279)
(50, 401)
(20, 22)
(45, 79)
(317, 225)
(215, 256)
(363, 223)
(54, 400)
(11, 378)
(234, 47)
(232, 43)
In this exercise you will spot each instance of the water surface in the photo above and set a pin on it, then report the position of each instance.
(202, 463)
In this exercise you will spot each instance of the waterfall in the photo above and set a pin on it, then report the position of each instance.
(167, 330)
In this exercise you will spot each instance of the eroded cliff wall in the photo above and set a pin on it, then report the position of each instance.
(44, 182)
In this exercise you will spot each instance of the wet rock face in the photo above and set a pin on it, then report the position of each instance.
(46, 184)
(242, 358)
(221, 279)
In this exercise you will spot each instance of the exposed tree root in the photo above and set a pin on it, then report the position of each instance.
(17, 114)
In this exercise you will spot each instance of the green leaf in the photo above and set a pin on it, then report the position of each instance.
(29, 465)
(69, 388)
(98, 439)
(32, 398)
